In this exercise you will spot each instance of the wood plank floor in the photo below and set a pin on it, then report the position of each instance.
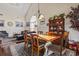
(4, 47)
(5, 52)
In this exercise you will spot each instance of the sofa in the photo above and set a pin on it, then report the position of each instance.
(21, 36)
(3, 34)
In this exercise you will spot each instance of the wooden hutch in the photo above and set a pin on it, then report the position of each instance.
(56, 25)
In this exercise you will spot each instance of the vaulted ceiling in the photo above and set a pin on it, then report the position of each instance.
(27, 10)
(14, 9)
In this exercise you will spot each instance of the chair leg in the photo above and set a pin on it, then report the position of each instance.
(32, 50)
(25, 44)
(38, 52)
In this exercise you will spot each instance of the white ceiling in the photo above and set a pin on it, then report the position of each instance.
(14, 9)
(22, 9)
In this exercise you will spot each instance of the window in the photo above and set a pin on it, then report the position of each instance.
(33, 24)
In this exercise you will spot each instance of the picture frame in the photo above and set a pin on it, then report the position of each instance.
(10, 24)
(28, 24)
(19, 24)
(1, 23)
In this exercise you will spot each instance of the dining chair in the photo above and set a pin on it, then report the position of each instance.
(66, 39)
(37, 47)
(27, 40)
(40, 32)
(57, 50)
(59, 46)
(74, 46)
(50, 33)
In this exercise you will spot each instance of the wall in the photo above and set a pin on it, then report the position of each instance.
(56, 9)
(13, 12)
(48, 10)
(73, 34)
(11, 29)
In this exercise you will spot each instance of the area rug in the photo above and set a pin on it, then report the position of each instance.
(19, 50)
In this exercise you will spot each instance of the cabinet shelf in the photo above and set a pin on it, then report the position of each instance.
(56, 25)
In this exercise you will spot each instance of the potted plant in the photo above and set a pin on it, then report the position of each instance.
(74, 17)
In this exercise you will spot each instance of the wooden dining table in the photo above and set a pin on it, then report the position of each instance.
(49, 37)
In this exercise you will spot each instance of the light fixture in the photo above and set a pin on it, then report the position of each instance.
(40, 15)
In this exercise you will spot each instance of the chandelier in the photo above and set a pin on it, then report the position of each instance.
(40, 15)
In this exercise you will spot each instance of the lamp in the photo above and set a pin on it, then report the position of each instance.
(40, 16)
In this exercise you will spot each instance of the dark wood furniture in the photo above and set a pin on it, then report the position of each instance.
(58, 40)
(48, 37)
(40, 32)
(56, 25)
(74, 46)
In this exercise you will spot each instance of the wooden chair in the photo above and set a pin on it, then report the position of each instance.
(57, 49)
(50, 33)
(74, 46)
(36, 46)
(60, 45)
(27, 40)
(40, 32)
(66, 40)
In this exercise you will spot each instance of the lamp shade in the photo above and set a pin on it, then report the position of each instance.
(41, 17)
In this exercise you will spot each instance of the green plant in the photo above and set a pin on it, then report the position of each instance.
(57, 16)
(74, 17)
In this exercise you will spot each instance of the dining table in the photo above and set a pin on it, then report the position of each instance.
(49, 37)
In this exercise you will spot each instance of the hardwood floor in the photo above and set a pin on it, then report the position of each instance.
(4, 46)
(5, 51)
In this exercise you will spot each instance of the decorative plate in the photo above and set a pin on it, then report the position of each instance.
(10, 24)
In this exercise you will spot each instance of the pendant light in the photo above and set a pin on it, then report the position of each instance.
(40, 15)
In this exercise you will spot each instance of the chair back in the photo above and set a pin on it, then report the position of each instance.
(65, 35)
(51, 33)
(26, 39)
(25, 36)
(35, 42)
(40, 32)
(65, 39)
(37, 45)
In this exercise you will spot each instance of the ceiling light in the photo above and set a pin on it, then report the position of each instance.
(40, 15)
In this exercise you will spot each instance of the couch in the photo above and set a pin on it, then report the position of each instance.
(21, 36)
(3, 34)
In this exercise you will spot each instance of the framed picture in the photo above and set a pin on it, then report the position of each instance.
(10, 24)
(27, 23)
(19, 24)
(1, 23)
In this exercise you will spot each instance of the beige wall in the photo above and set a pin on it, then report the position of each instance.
(11, 29)
(48, 10)
(55, 9)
